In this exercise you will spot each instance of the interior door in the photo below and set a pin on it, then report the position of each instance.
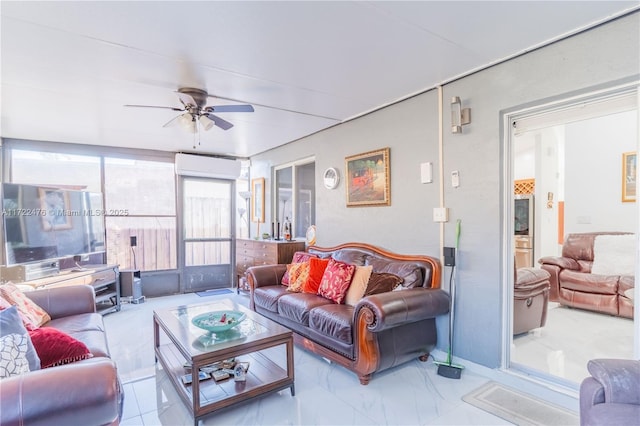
(207, 231)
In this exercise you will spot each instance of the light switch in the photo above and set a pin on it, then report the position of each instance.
(426, 173)
(455, 178)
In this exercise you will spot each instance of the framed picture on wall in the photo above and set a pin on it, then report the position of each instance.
(367, 179)
(55, 207)
(257, 200)
(629, 163)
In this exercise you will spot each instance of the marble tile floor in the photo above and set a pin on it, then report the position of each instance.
(570, 338)
(326, 394)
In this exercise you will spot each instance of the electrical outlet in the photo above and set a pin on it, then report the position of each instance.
(440, 214)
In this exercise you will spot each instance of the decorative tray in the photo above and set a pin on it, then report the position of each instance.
(218, 321)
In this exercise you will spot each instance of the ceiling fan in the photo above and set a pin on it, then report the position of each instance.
(194, 110)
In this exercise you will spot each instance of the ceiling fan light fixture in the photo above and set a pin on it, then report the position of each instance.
(188, 122)
(206, 122)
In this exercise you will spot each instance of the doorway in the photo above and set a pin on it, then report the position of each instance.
(570, 153)
(207, 237)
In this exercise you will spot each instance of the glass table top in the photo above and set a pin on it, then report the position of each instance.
(207, 340)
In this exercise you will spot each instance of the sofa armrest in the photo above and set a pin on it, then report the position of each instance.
(85, 392)
(619, 378)
(394, 308)
(264, 275)
(561, 262)
(61, 302)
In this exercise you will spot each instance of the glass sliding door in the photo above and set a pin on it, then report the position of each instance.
(555, 150)
(207, 233)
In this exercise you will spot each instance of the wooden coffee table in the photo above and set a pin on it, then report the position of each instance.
(183, 342)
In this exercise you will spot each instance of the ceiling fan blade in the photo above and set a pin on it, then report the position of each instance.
(276, 108)
(223, 124)
(155, 106)
(229, 108)
(186, 99)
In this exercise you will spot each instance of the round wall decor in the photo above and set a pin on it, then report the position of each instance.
(331, 178)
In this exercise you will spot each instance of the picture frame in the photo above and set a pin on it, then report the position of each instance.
(629, 164)
(368, 179)
(56, 209)
(257, 200)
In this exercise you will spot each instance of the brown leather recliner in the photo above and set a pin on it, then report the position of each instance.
(573, 284)
(531, 297)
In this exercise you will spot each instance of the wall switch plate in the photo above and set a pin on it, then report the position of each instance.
(440, 214)
(455, 178)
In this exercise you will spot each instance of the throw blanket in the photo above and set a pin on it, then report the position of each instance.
(614, 255)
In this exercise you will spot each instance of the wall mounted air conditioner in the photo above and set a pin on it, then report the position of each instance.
(211, 167)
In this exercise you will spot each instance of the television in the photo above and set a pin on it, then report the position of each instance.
(523, 215)
(46, 223)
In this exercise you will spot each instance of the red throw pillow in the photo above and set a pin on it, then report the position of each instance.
(316, 271)
(335, 280)
(298, 257)
(55, 347)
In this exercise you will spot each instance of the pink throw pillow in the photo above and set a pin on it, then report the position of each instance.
(335, 280)
(32, 315)
(298, 257)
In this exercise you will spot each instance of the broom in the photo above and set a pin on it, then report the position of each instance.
(448, 369)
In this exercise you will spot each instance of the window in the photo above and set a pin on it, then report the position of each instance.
(80, 172)
(140, 201)
(295, 195)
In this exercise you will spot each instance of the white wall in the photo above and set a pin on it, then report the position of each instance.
(598, 57)
(593, 185)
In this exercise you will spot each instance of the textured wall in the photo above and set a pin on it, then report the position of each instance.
(596, 58)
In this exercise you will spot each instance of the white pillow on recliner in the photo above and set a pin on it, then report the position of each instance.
(614, 255)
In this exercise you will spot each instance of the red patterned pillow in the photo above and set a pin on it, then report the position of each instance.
(298, 274)
(316, 271)
(335, 280)
(32, 315)
(298, 257)
(55, 347)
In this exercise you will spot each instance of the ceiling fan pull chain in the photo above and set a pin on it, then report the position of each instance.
(195, 123)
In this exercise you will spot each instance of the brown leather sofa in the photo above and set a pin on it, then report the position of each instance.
(573, 284)
(381, 331)
(530, 299)
(86, 392)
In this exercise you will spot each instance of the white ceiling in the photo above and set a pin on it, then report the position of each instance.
(69, 67)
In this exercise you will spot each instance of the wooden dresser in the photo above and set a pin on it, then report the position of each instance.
(262, 252)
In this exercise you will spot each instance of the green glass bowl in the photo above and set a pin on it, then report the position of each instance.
(211, 321)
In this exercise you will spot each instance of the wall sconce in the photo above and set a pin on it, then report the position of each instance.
(459, 116)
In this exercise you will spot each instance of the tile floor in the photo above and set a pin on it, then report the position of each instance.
(326, 394)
